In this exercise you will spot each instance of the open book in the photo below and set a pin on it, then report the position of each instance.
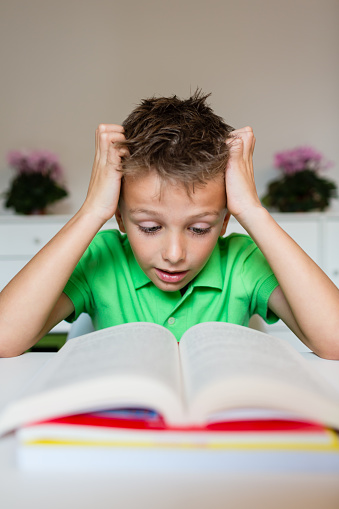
(217, 367)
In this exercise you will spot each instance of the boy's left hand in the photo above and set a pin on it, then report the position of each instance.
(241, 191)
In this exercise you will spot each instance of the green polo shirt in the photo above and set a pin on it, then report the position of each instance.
(110, 286)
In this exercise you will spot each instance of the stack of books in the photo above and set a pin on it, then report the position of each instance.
(139, 439)
(226, 398)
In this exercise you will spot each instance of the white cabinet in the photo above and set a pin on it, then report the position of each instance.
(21, 237)
(317, 233)
(305, 229)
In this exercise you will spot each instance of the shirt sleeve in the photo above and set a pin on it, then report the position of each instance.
(259, 282)
(78, 288)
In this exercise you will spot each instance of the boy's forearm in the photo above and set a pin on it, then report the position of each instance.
(30, 303)
(311, 295)
(28, 300)
(309, 302)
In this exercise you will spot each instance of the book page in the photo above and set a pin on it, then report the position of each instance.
(229, 366)
(139, 349)
(135, 364)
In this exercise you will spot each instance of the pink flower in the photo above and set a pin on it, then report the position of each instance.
(299, 159)
(41, 161)
(15, 158)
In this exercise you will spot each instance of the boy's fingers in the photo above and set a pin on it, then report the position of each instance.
(253, 143)
(235, 142)
(236, 146)
(241, 129)
(107, 139)
(123, 152)
(110, 127)
(248, 139)
(102, 140)
(108, 134)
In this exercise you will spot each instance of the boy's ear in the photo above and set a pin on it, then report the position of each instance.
(119, 220)
(225, 223)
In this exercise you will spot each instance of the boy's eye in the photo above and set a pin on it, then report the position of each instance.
(200, 231)
(150, 230)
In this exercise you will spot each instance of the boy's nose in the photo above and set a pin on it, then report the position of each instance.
(174, 251)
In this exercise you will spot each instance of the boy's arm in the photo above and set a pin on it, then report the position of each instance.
(307, 300)
(33, 301)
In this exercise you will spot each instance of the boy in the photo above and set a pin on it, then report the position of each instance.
(172, 175)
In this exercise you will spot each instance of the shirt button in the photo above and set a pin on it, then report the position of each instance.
(171, 320)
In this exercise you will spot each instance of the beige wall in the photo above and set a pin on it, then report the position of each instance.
(68, 65)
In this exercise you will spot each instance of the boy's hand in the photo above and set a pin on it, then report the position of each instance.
(104, 187)
(241, 192)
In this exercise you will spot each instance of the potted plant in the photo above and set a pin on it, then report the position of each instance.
(300, 188)
(37, 181)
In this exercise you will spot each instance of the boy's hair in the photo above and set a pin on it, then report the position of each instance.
(182, 140)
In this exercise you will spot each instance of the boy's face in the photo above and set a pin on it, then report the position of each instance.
(172, 234)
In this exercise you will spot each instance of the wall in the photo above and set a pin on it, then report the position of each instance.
(68, 65)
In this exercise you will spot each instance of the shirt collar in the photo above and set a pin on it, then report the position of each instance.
(209, 276)
(138, 275)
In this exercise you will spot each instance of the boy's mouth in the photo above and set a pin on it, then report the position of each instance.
(169, 276)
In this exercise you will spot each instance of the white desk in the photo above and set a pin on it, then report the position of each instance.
(138, 490)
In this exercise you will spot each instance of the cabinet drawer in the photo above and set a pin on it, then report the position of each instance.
(306, 233)
(25, 239)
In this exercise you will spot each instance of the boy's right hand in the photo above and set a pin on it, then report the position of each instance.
(104, 187)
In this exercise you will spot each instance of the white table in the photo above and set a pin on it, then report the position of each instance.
(125, 490)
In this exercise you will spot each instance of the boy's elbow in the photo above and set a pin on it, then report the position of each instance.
(7, 351)
(329, 354)
(328, 349)
(9, 347)
(8, 355)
